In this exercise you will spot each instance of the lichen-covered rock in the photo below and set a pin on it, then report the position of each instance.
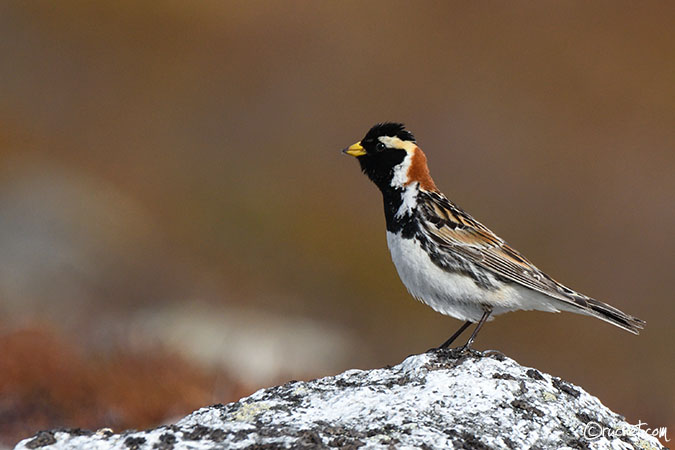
(444, 399)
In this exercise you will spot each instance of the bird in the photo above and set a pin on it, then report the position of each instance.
(449, 260)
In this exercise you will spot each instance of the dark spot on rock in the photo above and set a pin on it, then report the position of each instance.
(309, 439)
(166, 442)
(510, 444)
(450, 358)
(343, 442)
(576, 444)
(584, 417)
(499, 356)
(343, 437)
(466, 440)
(503, 376)
(134, 443)
(240, 435)
(625, 438)
(168, 438)
(218, 435)
(387, 430)
(565, 387)
(530, 410)
(390, 441)
(42, 438)
(273, 446)
(197, 432)
(342, 383)
(337, 442)
(230, 409)
(534, 374)
(284, 392)
(401, 381)
(523, 388)
(75, 431)
(272, 430)
(451, 433)
(338, 430)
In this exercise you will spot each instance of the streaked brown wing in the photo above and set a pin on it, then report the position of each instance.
(456, 231)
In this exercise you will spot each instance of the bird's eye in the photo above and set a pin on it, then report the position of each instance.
(380, 146)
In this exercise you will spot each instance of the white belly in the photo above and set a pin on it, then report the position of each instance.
(454, 294)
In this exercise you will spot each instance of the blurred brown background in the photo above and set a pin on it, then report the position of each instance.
(178, 227)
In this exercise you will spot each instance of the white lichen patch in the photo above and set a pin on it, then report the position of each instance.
(549, 396)
(249, 411)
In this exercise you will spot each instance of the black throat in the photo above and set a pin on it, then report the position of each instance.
(379, 167)
(406, 224)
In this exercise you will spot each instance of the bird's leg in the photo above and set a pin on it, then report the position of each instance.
(447, 343)
(482, 320)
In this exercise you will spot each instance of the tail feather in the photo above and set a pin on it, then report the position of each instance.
(612, 315)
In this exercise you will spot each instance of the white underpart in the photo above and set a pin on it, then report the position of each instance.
(454, 294)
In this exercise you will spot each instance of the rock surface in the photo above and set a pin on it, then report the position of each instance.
(436, 400)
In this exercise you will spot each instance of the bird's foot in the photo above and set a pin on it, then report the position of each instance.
(454, 353)
(466, 350)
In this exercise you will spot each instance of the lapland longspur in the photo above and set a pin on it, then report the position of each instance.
(446, 258)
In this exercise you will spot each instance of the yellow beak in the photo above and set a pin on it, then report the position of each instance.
(354, 150)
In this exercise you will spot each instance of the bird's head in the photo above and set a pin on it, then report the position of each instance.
(390, 157)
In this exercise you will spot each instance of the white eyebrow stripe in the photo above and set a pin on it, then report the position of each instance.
(394, 142)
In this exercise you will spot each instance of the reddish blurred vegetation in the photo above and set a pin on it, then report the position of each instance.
(154, 157)
(46, 380)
